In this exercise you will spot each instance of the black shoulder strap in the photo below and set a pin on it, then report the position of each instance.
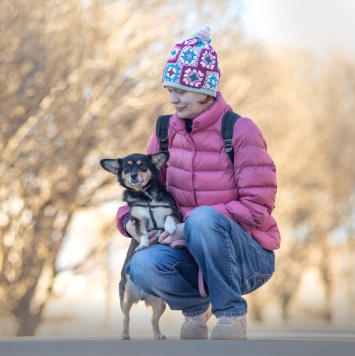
(162, 128)
(228, 121)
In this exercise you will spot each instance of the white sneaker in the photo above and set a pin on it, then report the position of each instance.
(195, 327)
(230, 328)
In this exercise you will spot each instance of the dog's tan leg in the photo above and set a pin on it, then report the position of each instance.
(126, 307)
(158, 305)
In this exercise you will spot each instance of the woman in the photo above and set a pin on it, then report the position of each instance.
(228, 228)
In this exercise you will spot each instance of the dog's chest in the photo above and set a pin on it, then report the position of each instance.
(154, 213)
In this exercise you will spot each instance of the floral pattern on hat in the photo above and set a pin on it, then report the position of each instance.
(212, 80)
(172, 72)
(208, 60)
(189, 56)
(174, 53)
(193, 78)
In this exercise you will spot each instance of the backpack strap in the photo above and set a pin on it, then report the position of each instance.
(228, 121)
(162, 129)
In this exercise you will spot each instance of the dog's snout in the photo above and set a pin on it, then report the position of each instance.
(134, 175)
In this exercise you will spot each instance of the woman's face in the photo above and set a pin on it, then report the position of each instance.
(188, 104)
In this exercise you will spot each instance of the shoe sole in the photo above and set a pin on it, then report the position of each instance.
(227, 336)
(186, 335)
(193, 337)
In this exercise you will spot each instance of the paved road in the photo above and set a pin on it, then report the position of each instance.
(265, 343)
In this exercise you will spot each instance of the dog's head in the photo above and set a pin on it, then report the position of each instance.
(136, 171)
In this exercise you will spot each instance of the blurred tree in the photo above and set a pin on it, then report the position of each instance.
(80, 80)
(66, 68)
(311, 110)
(334, 184)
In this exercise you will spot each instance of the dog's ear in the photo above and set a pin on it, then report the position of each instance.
(159, 159)
(111, 165)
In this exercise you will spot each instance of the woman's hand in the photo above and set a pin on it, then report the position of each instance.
(153, 235)
(166, 239)
(157, 236)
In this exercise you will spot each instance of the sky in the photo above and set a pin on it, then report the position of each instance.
(319, 25)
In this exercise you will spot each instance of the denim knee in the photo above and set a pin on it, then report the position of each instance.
(140, 269)
(200, 216)
(201, 223)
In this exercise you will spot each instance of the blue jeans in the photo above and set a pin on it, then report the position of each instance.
(231, 262)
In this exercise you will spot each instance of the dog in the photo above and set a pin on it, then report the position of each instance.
(152, 207)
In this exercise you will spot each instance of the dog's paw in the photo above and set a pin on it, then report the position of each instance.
(141, 247)
(125, 337)
(170, 225)
(159, 337)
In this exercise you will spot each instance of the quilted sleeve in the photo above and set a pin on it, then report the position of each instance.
(255, 176)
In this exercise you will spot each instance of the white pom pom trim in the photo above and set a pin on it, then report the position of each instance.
(203, 33)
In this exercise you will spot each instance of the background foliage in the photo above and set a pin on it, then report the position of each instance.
(80, 80)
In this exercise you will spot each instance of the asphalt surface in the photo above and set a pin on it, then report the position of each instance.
(263, 342)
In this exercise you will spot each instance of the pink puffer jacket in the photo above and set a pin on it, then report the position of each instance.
(199, 172)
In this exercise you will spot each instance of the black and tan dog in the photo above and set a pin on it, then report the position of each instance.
(151, 208)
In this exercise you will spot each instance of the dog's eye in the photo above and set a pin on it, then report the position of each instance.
(126, 168)
(143, 167)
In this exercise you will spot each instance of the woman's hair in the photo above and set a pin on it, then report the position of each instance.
(207, 99)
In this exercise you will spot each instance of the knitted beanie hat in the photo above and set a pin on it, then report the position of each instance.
(193, 64)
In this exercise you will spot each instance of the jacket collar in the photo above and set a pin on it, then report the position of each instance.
(205, 119)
